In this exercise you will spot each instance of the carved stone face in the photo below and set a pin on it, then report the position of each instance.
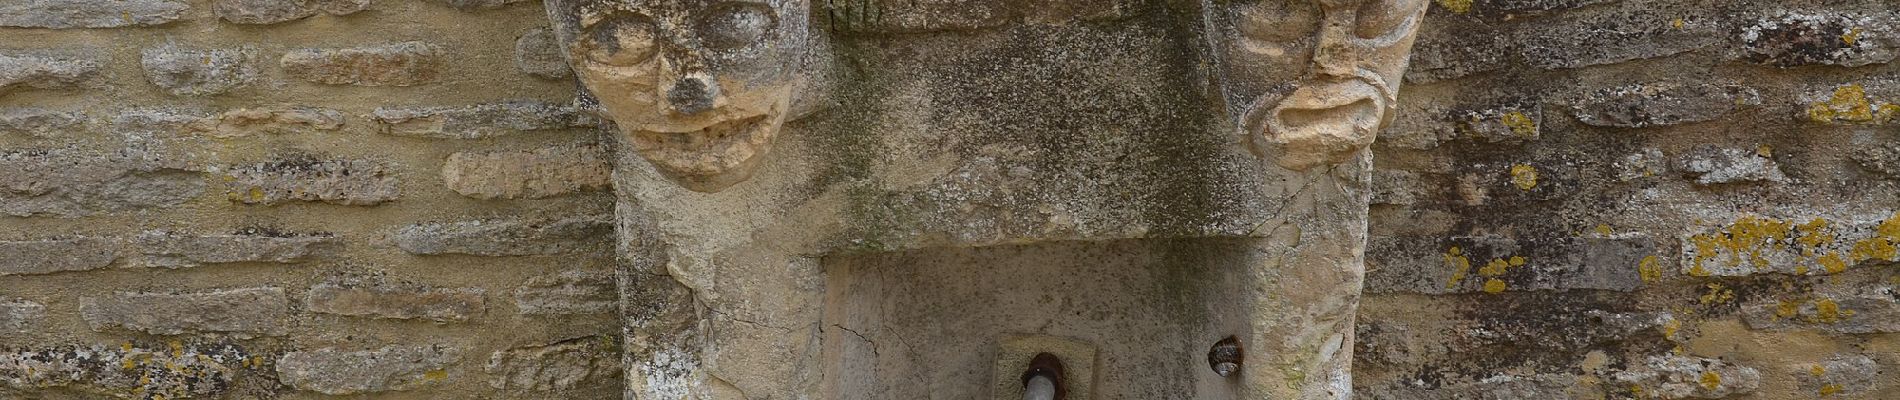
(1312, 81)
(700, 87)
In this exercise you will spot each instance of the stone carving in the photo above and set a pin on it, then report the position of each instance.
(699, 88)
(1312, 81)
(963, 174)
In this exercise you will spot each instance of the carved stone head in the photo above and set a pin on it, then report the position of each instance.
(1312, 81)
(700, 87)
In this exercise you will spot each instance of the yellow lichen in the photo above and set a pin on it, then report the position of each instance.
(1745, 241)
(1604, 230)
(1787, 309)
(1850, 104)
(1495, 286)
(1818, 370)
(1833, 263)
(1717, 294)
(1827, 311)
(1456, 6)
(1830, 389)
(1650, 269)
(1851, 37)
(1678, 23)
(1521, 124)
(1711, 380)
(1459, 264)
(1524, 176)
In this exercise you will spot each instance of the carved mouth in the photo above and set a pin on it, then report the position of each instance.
(710, 158)
(1321, 124)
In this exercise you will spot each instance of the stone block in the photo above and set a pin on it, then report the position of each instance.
(305, 178)
(1797, 39)
(47, 69)
(56, 255)
(1711, 165)
(263, 12)
(1851, 104)
(529, 174)
(261, 121)
(124, 371)
(1611, 38)
(471, 5)
(1496, 264)
(569, 292)
(480, 120)
(1663, 104)
(1394, 187)
(242, 313)
(1504, 386)
(65, 14)
(20, 316)
(1865, 310)
(390, 300)
(570, 235)
(68, 183)
(1883, 159)
(1685, 377)
(42, 123)
(912, 16)
(1509, 123)
(196, 72)
(176, 250)
(563, 365)
(392, 368)
(398, 64)
(1841, 375)
(537, 53)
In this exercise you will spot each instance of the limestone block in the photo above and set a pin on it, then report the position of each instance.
(1684, 377)
(42, 123)
(1612, 37)
(1841, 375)
(1711, 165)
(242, 313)
(537, 53)
(398, 64)
(266, 121)
(193, 72)
(20, 316)
(1663, 104)
(479, 120)
(1497, 264)
(303, 178)
(391, 300)
(64, 14)
(530, 174)
(178, 250)
(263, 12)
(563, 365)
(124, 371)
(391, 368)
(571, 235)
(1797, 39)
(57, 255)
(568, 292)
(47, 70)
(70, 183)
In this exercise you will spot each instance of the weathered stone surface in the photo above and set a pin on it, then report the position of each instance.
(399, 64)
(1850, 105)
(1501, 387)
(563, 365)
(531, 174)
(915, 16)
(481, 120)
(391, 368)
(1801, 39)
(260, 12)
(469, 5)
(304, 178)
(1711, 165)
(176, 250)
(1610, 38)
(272, 121)
(58, 255)
(1683, 377)
(69, 183)
(242, 313)
(20, 316)
(1497, 264)
(1841, 375)
(1512, 9)
(157, 120)
(124, 371)
(538, 54)
(46, 70)
(1863, 310)
(41, 123)
(1663, 104)
(1804, 246)
(1514, 123)
(375, 298)
(60, 14)
(568, 292)
(1447, 51)
(1649, 162)
(569, 235)
(1880, 159)
(190, 72)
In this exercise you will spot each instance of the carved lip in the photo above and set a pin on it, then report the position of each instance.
(726, 147)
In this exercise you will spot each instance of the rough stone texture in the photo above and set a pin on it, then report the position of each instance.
(57, 255)
(470, 5)
(1851, 104)
(1841, 375)
(1628, 35)
(124, 372)
(538, 54)
(41, 123)
(20, 316)
(1806, 246)
(571, 235)
(568, 292)
(71, 183)
(391, 368)
(1880, 159)
(1863, 310)
(1838, 39)
(1712, 165)
(531, 174)
(263, 12)
(394, 300)
(267, 121)
(242, 313)
(46, 70)
(479, 121)
(1663, 104)
(1549, 386)
(304, 178)
(562, 365)
(1679, 377)
(176, 250)
(398, 64)
(1496, 265)
(187, 72)
(62, 14)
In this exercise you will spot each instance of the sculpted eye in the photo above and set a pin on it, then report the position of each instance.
(738, 25)
(1278, 20)
(1378, 18)
(619, 42)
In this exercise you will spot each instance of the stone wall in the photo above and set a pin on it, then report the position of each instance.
(1589, 199)
(290, 198)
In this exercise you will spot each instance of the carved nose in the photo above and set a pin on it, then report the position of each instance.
(692, 94)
